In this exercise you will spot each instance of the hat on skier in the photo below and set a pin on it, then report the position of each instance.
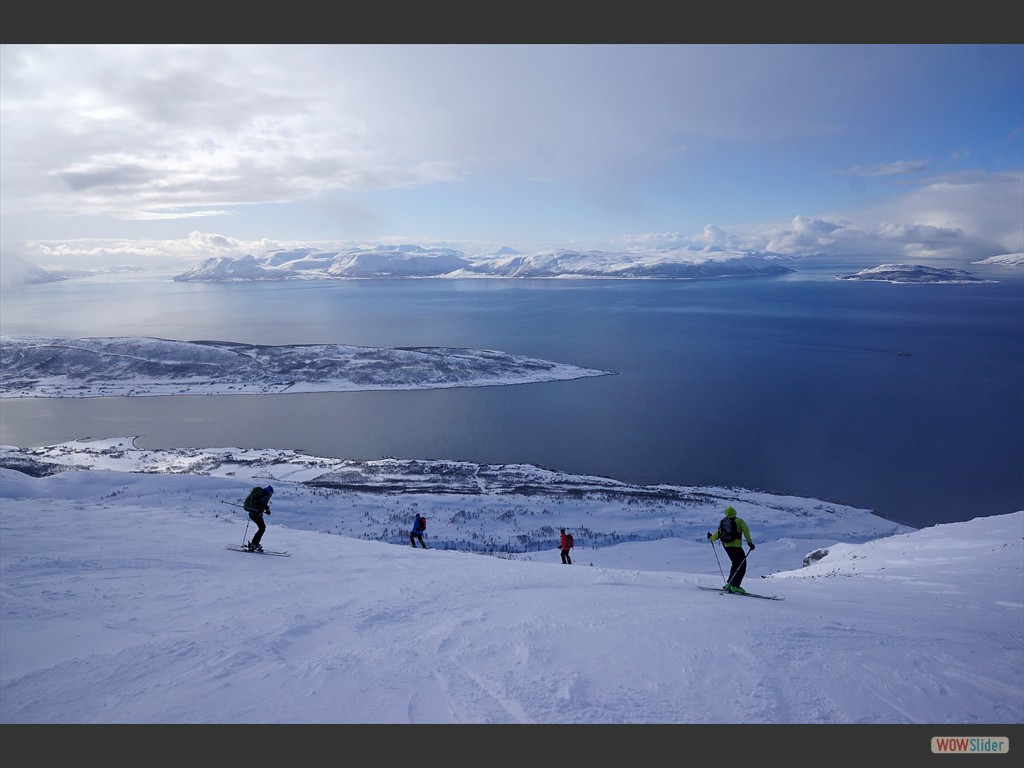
(269, 489)
(730, 512)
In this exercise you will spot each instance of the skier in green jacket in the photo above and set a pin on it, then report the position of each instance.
(731, 532)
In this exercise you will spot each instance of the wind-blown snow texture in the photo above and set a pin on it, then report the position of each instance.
(122, 604)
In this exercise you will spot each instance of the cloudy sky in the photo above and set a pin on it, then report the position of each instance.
(134, 152)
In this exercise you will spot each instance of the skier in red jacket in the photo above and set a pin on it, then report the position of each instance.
(565, 543)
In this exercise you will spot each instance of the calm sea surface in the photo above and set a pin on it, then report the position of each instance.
(792, 385)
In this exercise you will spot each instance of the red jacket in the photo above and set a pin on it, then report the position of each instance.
(563, 542)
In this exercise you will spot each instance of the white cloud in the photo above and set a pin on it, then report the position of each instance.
(889, 169)
(524, 145)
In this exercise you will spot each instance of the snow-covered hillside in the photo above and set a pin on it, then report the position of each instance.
(123, 604)
(506, 510)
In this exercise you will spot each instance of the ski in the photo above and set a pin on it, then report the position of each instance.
(741, 594)
(237, 548)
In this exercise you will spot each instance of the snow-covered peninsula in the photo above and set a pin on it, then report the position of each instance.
(138, 366)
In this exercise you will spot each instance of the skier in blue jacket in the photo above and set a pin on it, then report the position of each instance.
(416, 534)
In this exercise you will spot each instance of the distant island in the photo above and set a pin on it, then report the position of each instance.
(131, 366)
(1004, 259)
(413, 261)
(913, 273)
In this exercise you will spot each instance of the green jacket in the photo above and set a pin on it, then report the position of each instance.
(744, 531)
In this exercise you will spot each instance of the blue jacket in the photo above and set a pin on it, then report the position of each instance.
(417, 525)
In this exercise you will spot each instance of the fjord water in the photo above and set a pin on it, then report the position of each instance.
(904, 399)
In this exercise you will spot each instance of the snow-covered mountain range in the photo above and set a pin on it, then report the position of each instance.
(688, 262)
(407, 261)
(17, 272)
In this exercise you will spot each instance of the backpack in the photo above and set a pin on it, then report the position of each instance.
(568, 540)
(728, 529)
(423, 523)
(252, 501)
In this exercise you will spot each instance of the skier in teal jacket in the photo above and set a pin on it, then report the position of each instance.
(731, 532)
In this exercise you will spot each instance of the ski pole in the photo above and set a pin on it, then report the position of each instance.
(716, 558)
(245, 533)
(232, 503)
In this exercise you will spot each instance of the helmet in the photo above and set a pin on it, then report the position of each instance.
(269, 489)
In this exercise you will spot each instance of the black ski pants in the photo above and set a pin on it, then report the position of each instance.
(738, 569)
(414, 537)
(257, 517)
(566, 560)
